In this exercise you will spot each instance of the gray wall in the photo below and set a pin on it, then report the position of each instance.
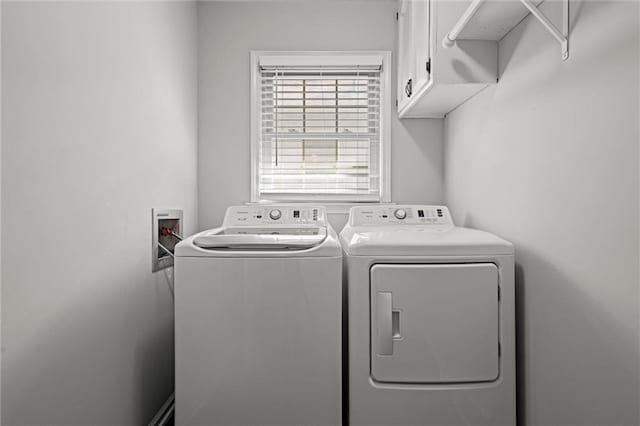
(99, 126)
(548, 159)
(1, 3)
(228, 31)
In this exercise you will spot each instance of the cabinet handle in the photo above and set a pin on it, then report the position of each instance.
(408, 88)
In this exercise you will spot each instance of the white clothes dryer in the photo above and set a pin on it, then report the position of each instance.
(431, 327)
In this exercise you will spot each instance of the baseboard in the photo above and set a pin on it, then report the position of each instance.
(164, 414)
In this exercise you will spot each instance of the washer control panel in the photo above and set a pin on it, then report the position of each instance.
(400, 215)
(275, 214)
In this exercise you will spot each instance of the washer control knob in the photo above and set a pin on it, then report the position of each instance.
(400, 214)
(275, 214)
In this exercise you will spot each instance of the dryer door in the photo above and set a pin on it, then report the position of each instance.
(435, 323)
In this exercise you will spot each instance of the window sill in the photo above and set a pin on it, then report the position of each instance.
(332, 208)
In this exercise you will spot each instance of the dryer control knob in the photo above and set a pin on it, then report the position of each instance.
(400, 214)
(275, 214)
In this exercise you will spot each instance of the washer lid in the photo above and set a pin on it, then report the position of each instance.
(273, 237)
(273, 230)
(421, 241)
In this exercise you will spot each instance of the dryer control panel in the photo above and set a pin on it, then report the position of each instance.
(280, 214)
(401, 215)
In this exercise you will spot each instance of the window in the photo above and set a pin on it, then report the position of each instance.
(320, 126)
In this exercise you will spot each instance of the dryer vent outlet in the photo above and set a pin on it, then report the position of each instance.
(166, 231)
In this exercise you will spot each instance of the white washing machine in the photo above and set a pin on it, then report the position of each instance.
(258, 307)
(431, 324)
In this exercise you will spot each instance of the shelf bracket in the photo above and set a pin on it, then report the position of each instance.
(562, 37)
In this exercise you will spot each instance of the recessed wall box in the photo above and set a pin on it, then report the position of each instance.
(166, 232)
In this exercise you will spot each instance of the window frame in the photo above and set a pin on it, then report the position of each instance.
(354, 57)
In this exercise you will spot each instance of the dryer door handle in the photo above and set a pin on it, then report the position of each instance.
(384, 324)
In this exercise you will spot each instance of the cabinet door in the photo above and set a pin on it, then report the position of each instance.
(420, 11)
(435, 323)
(406, 57)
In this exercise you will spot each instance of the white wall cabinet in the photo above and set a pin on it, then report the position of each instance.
(413, 48)
(433, 80)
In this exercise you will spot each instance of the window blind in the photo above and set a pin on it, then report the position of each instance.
(320, 132)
